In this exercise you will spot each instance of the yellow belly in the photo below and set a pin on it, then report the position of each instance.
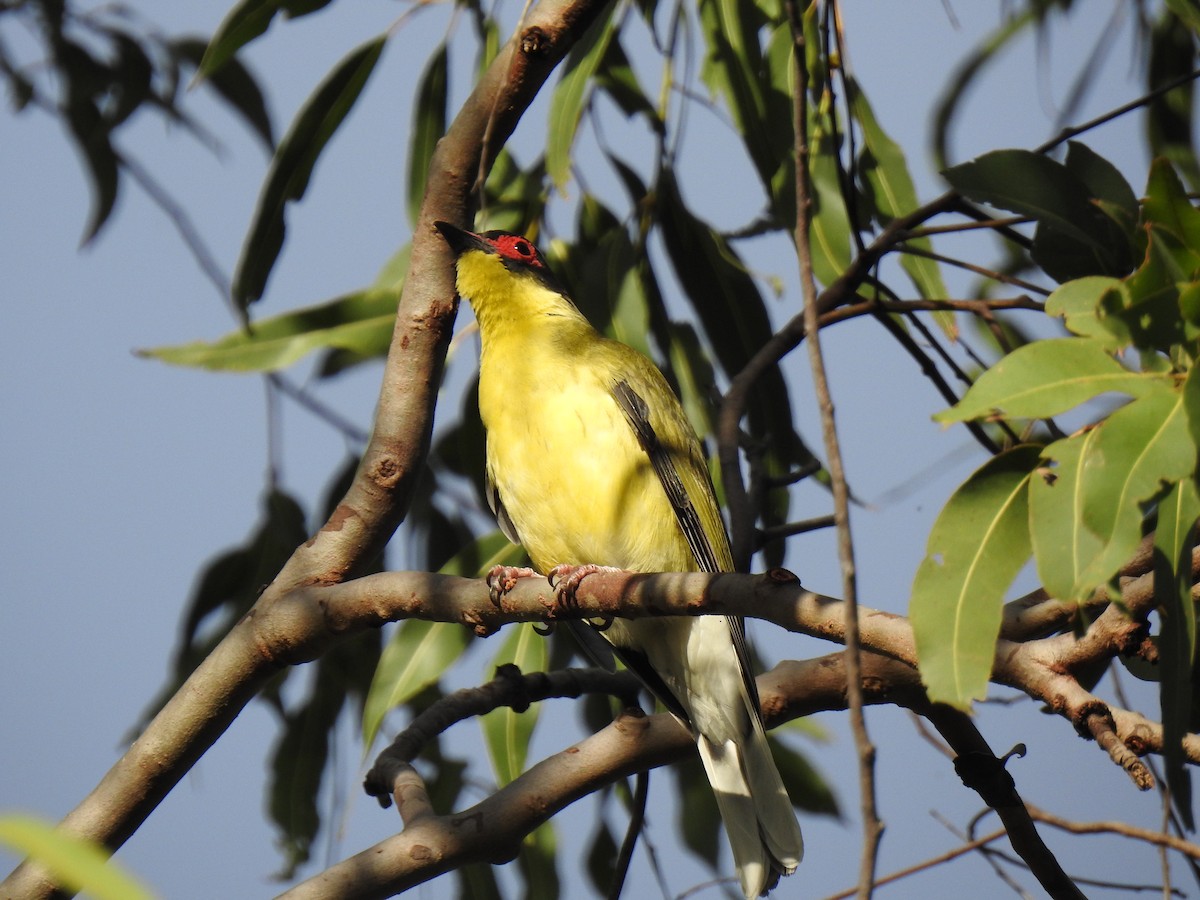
(573, 479)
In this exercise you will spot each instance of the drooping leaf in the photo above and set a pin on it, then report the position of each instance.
(77, 864)
(1170, 120)
(602, 857)
(287, 179)
(732, 69)
(830, 226)
(1062, 545)
(246, 21)
(417, 655)
(963, 77)
(571, 96)
(731, 310)
(360, 323)
(620, 82)
(1141, 449)
(506, 731)
(885, 170)
(699, 818)
(1174, 539)
(1075, 237)
(420, 652)
(234, 84)
(1045, 378)
(808, 790)
(297, 766)
(978, 544)
(429, 124)
(538, 862)
(1030, 185)
(85, 76)
(1169, 207)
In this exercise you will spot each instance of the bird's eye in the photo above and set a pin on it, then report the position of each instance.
(523, 248)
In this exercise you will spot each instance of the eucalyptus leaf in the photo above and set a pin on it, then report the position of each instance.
(572, 94)
(429, 124)
(1045, 378)
(507, 732)
(76, 863)
(1174, 539)
(1141, 449)
(1062, 545)
(292, 167)
(978, 544)
(361, 322)
(246, 21)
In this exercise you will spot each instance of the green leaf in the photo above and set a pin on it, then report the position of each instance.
(1141, 449)
(885, 170)
(537, 860)
(731, 68)
(731, 310)
(297, 767)
(830, 231)
(1074, 237)
(1191, 402)
(420, 652)
(1045, 378)
(620, 82)
(1102, 179)
(246, 21)
(287, 179)
(417, 656)
(1029, 184)
(1173, 541)
(1079, 301)
(965, 74)
(602, 858)
(571, 96)
(505, 731)
(808, 790)
(429, 124)
(1168, 206)
(1169, 118)
(977, 546)
(361, 323)
(76, 864)
(1146, 313)
(1062, 545)
(235, 85)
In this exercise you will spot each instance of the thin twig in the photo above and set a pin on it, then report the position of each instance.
(927, 864)
(1067, 133)
(637, 820)
(872, 826)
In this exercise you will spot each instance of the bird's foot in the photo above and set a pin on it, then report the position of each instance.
(502, 579)
(566, 578)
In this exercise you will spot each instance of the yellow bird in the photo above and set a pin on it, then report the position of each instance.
(592, 461)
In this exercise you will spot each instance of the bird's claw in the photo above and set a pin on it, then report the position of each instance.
(502, 579)
(566, 578)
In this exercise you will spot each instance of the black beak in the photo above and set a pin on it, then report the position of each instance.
(460, 241)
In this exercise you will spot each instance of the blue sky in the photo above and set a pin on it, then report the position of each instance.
(122, 475)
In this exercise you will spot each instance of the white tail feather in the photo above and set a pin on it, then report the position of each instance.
(758, 816)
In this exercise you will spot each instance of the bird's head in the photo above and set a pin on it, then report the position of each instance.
(500, 270)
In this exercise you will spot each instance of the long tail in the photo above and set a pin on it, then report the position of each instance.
(755, 808)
